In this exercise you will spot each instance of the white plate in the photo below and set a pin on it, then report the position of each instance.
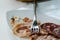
(45, 13)
(21, 12)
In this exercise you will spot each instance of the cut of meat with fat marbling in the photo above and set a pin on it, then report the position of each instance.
(48, 31)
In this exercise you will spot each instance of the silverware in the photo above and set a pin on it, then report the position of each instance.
(35, 27)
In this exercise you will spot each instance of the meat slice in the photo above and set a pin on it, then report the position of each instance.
(51, 28)
(46, 37)
(21, 30)
(33, 37)
(42, 37)
(15, 20)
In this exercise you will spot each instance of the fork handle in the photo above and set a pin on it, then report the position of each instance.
(35, 8)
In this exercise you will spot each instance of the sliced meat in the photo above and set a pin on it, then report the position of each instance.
(15, 20)
(33, 36)
(21, 30)
(51, 28)
(47, 37)
(57, 31)
(42, 37)
(44, 32)
(27, 20)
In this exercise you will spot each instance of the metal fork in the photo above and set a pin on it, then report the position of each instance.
(35, 27)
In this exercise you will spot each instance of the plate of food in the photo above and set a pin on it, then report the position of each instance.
(22, 15)
(20, 21)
